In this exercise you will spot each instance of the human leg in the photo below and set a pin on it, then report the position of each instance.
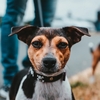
(9, 45)
(48, 11)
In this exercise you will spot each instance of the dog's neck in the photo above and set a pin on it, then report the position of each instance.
(58, 90)
(53, 88)
(43, 78)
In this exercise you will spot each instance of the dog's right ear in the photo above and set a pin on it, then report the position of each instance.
(24, 33)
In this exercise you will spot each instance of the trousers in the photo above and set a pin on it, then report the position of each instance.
(14, 14)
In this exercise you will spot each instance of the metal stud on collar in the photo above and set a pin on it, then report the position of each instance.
(40, 78)
(51, 78)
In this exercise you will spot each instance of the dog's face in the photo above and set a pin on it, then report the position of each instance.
(48, 55)
(49, 49)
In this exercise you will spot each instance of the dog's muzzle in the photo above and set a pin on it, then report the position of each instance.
(49, 65)
(49, 62)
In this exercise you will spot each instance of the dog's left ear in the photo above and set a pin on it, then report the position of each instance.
(24, 33)
(74, 34)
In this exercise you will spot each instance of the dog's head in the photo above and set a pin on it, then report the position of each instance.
(49, 48)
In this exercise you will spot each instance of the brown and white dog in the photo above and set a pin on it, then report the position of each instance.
(48, 50)
(95, 56)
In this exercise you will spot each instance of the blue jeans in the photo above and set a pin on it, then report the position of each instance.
(13, 17)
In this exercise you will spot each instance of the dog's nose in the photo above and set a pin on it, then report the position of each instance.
(49, 62)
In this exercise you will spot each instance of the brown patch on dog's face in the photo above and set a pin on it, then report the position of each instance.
(61, 50)
(41, 47)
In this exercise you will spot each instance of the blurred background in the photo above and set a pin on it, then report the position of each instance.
(84, 13)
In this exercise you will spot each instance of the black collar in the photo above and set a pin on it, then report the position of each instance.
(43, 78)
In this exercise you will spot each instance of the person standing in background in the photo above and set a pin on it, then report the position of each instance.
(97, 22)
(9, 45)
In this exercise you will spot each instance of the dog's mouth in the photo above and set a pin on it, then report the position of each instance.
(49, 71)
(41, 69)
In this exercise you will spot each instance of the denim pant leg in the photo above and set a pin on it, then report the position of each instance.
(48, 11)
(49, 8)
(9, 45)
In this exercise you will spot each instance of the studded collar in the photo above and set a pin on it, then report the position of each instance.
(43, 78)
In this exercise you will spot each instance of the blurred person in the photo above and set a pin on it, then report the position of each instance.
(97, 22)
(9, 45)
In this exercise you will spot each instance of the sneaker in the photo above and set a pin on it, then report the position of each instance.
(4, 91)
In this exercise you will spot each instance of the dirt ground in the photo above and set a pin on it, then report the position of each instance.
(88, 91)
(85, 86)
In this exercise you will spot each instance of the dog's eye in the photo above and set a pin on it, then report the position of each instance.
(37, 44)
(62, 45)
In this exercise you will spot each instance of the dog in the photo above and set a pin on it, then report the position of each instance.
(95, 57)
(48, 51)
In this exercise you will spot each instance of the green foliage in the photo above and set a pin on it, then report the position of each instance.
(76, 84)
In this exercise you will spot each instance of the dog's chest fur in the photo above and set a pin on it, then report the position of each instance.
(47, 91)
